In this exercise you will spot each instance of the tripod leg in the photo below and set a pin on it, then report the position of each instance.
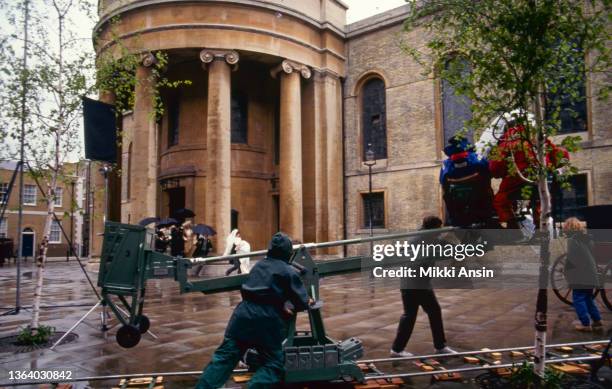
(76, 324)
(104, 317)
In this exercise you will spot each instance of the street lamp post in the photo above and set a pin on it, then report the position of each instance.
(370, 160)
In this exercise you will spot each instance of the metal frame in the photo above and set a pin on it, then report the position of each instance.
(399, 375)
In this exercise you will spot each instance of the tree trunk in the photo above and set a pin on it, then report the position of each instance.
(41, 258)
(545, 235)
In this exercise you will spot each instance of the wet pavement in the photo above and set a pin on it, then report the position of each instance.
(189, 327)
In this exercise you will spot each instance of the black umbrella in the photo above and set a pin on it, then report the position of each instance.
(183, 213)
(148, 220)
(203, 229)
(166, 222)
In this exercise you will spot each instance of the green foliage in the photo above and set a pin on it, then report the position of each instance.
(523, 55)
(524, 378)
(116, 72)
(29, 337)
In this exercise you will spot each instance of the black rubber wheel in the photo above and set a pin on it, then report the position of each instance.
(128, 336)
(143, 323)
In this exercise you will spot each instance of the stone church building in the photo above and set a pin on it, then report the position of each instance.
(285, 98)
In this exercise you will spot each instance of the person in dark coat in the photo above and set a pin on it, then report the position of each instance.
(418, 292)
(177, 244)
(581, 275)
(203, 247)
(261, 320)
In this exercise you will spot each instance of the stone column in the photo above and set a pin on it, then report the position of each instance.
(218, 142)
(332, 128)
(143, 174)
(290, 164)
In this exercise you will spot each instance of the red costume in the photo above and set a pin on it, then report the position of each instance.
(524, 156)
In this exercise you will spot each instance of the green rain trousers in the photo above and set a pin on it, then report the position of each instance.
(227, 356)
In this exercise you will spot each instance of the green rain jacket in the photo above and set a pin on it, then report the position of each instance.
(259, 320)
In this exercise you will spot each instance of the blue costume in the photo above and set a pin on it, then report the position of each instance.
(466, 184)
(260, 321)
(462, 161)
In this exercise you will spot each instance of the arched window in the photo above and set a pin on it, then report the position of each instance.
(374, 117)
(570, 104)
(456, 109)
(239, 120)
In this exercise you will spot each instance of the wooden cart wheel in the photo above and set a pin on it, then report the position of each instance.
(558, 282)
(606, 287)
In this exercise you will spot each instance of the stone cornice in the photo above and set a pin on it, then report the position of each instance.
(188, 26)
(135, 4)
(289, 66)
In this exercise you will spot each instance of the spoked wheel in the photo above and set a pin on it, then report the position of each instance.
(128, 336)
(143, 323)
(606, 287)
(558, 282)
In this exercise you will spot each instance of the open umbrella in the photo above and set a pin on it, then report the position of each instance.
(183, 213)
(148, 220)
(203, 229)
(166, 222)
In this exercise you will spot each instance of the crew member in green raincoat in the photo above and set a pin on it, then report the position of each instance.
(260, 321)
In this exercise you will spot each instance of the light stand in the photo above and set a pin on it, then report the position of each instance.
(370, 161)
(105, 170)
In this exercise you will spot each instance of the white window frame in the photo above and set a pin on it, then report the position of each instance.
(24, 194)
(59, 232)
(3, 191)
(4, 227)
(59, 196)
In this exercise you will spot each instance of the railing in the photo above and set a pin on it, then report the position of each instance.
(313, 246)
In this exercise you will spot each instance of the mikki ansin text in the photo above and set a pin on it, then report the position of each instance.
(432, 272)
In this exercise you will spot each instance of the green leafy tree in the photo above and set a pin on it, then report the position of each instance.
(45, 92)
(524, 56)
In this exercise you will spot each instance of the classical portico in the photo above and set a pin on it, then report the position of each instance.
(255, 140)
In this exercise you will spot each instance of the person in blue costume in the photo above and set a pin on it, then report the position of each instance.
(466, 184)
(270, 296)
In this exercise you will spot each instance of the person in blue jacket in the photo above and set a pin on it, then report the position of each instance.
(466, 185)
(270, 296)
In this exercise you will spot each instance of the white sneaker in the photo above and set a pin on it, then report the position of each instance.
(400, 354)
(445, 350)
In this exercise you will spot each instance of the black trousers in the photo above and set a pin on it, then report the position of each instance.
(235, 266)
(412, 299)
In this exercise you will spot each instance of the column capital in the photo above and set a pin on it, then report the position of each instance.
(288, 66)
(148, 59)
(229, 56)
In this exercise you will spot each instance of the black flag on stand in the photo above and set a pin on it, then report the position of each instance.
(100, 131)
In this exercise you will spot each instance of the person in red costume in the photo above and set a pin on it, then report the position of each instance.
(514, 146)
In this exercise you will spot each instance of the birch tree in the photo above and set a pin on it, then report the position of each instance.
(55, 80)
(524, 56)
